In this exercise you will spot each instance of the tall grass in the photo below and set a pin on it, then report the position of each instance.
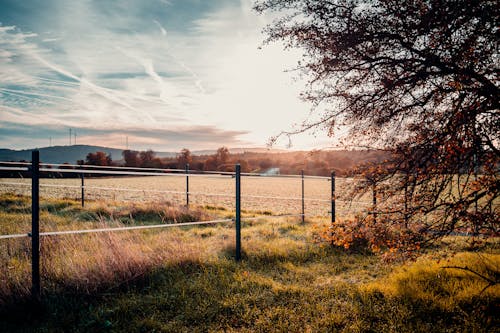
(186, 280)
(92, 262)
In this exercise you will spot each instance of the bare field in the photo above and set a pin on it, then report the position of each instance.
(265, 194)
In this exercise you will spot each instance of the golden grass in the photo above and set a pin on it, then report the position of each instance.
(90, 262)
(185, 278)
(202, 190)
(443, 283)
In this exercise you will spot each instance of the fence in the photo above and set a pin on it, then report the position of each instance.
(35, 168)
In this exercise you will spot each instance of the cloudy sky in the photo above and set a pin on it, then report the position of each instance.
(167, 74)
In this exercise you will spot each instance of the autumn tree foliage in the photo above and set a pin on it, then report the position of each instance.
(148, 159)
(314, 163)
(143, 159)
(131, 158)
(218, 161)
(98, 158)
(417, 79)
(222, 155)
(184, 158)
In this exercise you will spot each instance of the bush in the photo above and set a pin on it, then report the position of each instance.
(370, 234)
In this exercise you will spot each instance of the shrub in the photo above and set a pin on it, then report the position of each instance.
(370, 234)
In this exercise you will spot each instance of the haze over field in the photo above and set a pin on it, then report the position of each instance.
(165, 74)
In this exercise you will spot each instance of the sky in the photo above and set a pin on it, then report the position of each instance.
(162, 74)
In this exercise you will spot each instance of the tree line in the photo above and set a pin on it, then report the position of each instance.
(317, 163)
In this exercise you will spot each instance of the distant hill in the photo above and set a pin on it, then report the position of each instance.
(316, 163)
(71, 154)
(62, 154)
(237, 151)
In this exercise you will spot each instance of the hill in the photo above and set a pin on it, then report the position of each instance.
(62, 154)
(71, 154)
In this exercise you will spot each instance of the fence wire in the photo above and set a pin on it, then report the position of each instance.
(229, 195)
(271, 217)
(13, 236)
(138, 227)
(16, 163)
(135, 171)
(13, 168)
(76, 168)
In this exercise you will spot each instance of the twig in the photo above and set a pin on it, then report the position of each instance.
(467, 269)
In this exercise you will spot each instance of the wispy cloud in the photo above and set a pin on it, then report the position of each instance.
(201, 137)
(162, 29)
(189, 72)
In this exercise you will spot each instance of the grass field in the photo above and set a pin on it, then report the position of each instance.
(203, 191)
(186, 280)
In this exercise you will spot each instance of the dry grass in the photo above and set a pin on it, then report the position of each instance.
(185, 279)
(91, 262)
(95, 262)
(201, 189)
(442, 283)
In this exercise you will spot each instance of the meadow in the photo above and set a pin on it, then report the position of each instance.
(277, 195)
(185, 279)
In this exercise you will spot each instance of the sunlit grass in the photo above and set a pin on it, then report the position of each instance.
(442, 284)
(205, 191)
(186, 280)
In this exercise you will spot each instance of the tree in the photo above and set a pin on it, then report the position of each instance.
(184, 158)
(265, 164)
(218, 161)
(222, 156)
(244, 167)
(131, 158)
(98, 158)
(148, 159)
(418, 79)
(210, 164)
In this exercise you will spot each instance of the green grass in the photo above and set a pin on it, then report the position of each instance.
(186, 280)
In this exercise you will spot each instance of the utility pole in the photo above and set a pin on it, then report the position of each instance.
(75, 136)
(126, 141)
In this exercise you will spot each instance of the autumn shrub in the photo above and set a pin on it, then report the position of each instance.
(374, 234)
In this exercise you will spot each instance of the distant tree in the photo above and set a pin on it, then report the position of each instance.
(253, 163)
(131, 158)
(418, 79)
(147, 159)
(184, 158)
(170, 164)
(98, 158)
(245, 167)
(222, 156)
(265, 164)
(218, 161)
(210, 164)
(198, 165)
